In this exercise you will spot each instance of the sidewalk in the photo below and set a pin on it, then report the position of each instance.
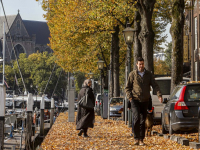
(106, 134)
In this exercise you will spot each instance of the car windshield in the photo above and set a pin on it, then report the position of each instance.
(164, 86)
(116, 101)
(99, 97)
(192, 93)
(176, 93)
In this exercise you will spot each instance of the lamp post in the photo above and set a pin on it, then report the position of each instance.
(31, 86)
(36, 92)
(100, 67)
(128, 33)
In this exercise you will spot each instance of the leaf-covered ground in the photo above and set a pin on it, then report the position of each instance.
(106, 134)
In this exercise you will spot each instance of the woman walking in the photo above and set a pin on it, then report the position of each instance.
(85, 117)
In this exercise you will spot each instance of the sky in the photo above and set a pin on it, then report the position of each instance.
(28, 9)
(32, 10)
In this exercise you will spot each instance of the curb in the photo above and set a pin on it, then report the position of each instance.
(178, 139)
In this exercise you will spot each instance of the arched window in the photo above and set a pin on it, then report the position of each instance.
(18, 50)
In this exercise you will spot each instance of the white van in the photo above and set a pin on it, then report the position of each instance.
(164, 84)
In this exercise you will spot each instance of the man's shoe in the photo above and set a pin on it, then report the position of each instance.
(136, 142)
(85, 135)
(141, 143)
(81, 132)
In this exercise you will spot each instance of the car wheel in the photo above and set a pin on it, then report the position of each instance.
(163, 127)
(171, 131)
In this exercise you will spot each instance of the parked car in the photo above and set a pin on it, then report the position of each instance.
(181, 110)
(97, 103)
(97, 100)
(116, 106)
(164, 84)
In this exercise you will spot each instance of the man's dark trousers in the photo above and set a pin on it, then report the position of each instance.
(139, 113)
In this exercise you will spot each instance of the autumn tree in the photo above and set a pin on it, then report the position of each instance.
(81, 31)
(161, 67)
(36, 70)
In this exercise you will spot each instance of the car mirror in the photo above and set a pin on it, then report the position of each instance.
(165, 100)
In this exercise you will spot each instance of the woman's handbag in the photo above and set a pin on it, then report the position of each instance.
(85, 102)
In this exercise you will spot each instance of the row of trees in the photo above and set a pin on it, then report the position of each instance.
(36, 70)
(84, 31)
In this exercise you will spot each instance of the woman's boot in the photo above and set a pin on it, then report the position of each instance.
(81, 132)
(85, 133)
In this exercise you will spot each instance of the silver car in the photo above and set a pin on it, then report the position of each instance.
(116, 106)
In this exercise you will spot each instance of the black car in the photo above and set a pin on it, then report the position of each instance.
(182, 107)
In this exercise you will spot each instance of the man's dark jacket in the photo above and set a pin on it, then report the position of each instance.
(138, 88)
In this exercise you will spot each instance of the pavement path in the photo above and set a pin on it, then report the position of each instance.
(106, 134)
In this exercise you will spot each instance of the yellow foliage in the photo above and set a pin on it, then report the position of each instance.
(160, 67)
(79, 28)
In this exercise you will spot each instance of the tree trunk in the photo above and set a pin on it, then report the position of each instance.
(176, 31)
(111, 86)
(115, 45)
(146, 35)
(137, 45)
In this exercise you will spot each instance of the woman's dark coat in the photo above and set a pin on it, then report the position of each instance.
(85, 117)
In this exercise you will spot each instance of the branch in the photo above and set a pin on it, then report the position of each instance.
(103, 56)
(118, 20)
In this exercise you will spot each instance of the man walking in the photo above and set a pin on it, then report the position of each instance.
(138, 93)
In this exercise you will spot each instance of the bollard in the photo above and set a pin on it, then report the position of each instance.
(52, 112)
(199, 124)
(123, 114)
(21, 140)
(13, 147)
(29, 122)
(42, 106)
(2, 114)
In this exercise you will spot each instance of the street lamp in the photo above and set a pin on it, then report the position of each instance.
(128, 37)
(90, 75)
(31, 86)
(100, 67)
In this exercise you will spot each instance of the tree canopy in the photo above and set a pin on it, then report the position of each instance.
(81, 30)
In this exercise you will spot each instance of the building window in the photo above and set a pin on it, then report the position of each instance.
(195, 32)
(18, 50)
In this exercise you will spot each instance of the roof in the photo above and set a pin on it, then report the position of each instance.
(10, 19)
(40, 29)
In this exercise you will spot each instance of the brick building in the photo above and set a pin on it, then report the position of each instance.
(25, 36)
(192, 39)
